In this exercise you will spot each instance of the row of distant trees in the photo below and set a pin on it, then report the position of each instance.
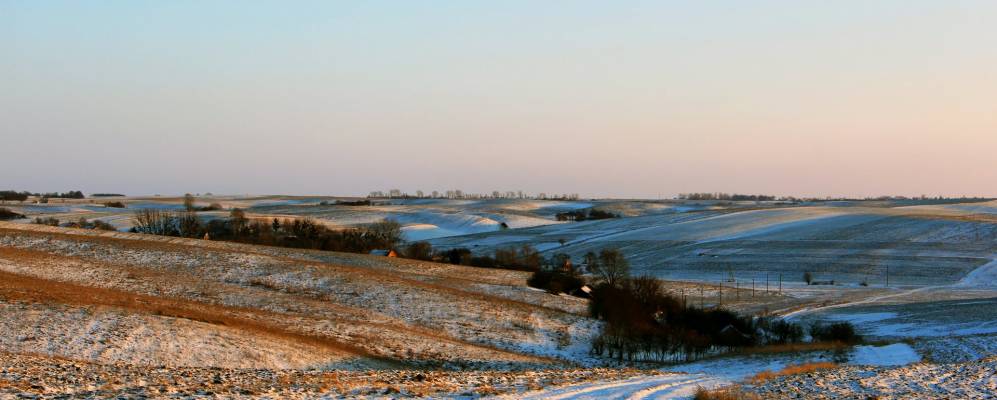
(81, 223)
(460, 194)
(762, 197)
(12, 195)
(725, 196)
(585, 215)
(294, 233)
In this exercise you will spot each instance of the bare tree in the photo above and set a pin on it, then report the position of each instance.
(188, 224)
(611, 266)
(387, 230)
(188, 202)
(154, 222)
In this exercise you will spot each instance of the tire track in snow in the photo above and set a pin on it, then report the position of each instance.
(675, 390)
(647, 387)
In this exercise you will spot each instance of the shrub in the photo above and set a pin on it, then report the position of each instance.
(350, 203)
(6, 214)
(419, 251)
(101, 225)
(212, 207)
(786, 332)
(843, 332)
(733, 392)
(47, 221)
(483, 262)
(555, 282)
(458, 256)
(114, 204)
(585, 215)
(763, 376)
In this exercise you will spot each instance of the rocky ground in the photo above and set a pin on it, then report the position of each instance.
(970, 380)
(35, 376)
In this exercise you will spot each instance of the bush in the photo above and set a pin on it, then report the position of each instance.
(732, 392)
(585, 215)
(351, 203)
(6, 214)
(458, 256)
(47, 221)
(483, 262)
(785, 332)
(555, 282)
(843, 332)
(101, 225)
(524, 258)
(419, 251)
(114, 204)
(212, 207)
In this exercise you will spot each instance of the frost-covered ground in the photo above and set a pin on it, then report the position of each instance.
(354, 306)
(142, 301)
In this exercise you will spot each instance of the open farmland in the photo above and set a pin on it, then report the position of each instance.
(849, 245)
(193, 317)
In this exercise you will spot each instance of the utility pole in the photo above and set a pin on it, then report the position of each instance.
(766, 282)
(721, 294)
(752, 288)
(701, 297)
(780, 283)
(737, 290)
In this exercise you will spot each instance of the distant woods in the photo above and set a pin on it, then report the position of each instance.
(10, 195)
(762, 197)
(727, 197)
(460, 194)
(585, 215)
(295, 233)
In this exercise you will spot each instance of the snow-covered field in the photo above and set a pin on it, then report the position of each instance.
(136, 301)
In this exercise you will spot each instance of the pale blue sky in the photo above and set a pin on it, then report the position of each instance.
(599, 98)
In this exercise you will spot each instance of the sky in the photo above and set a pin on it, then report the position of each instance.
(601, 98)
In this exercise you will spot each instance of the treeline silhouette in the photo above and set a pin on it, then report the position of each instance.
(522, 258)
(584, 215)
(295, 233)
(81, 223)
(726, 196)
(794, 199)
(12, 195)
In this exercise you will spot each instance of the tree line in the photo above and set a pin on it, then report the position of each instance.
(81, 223)
(295, 233)
(585, 215)
(13, 195)
(460, 194)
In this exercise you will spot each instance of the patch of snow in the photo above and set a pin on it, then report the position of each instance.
(893, 355)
